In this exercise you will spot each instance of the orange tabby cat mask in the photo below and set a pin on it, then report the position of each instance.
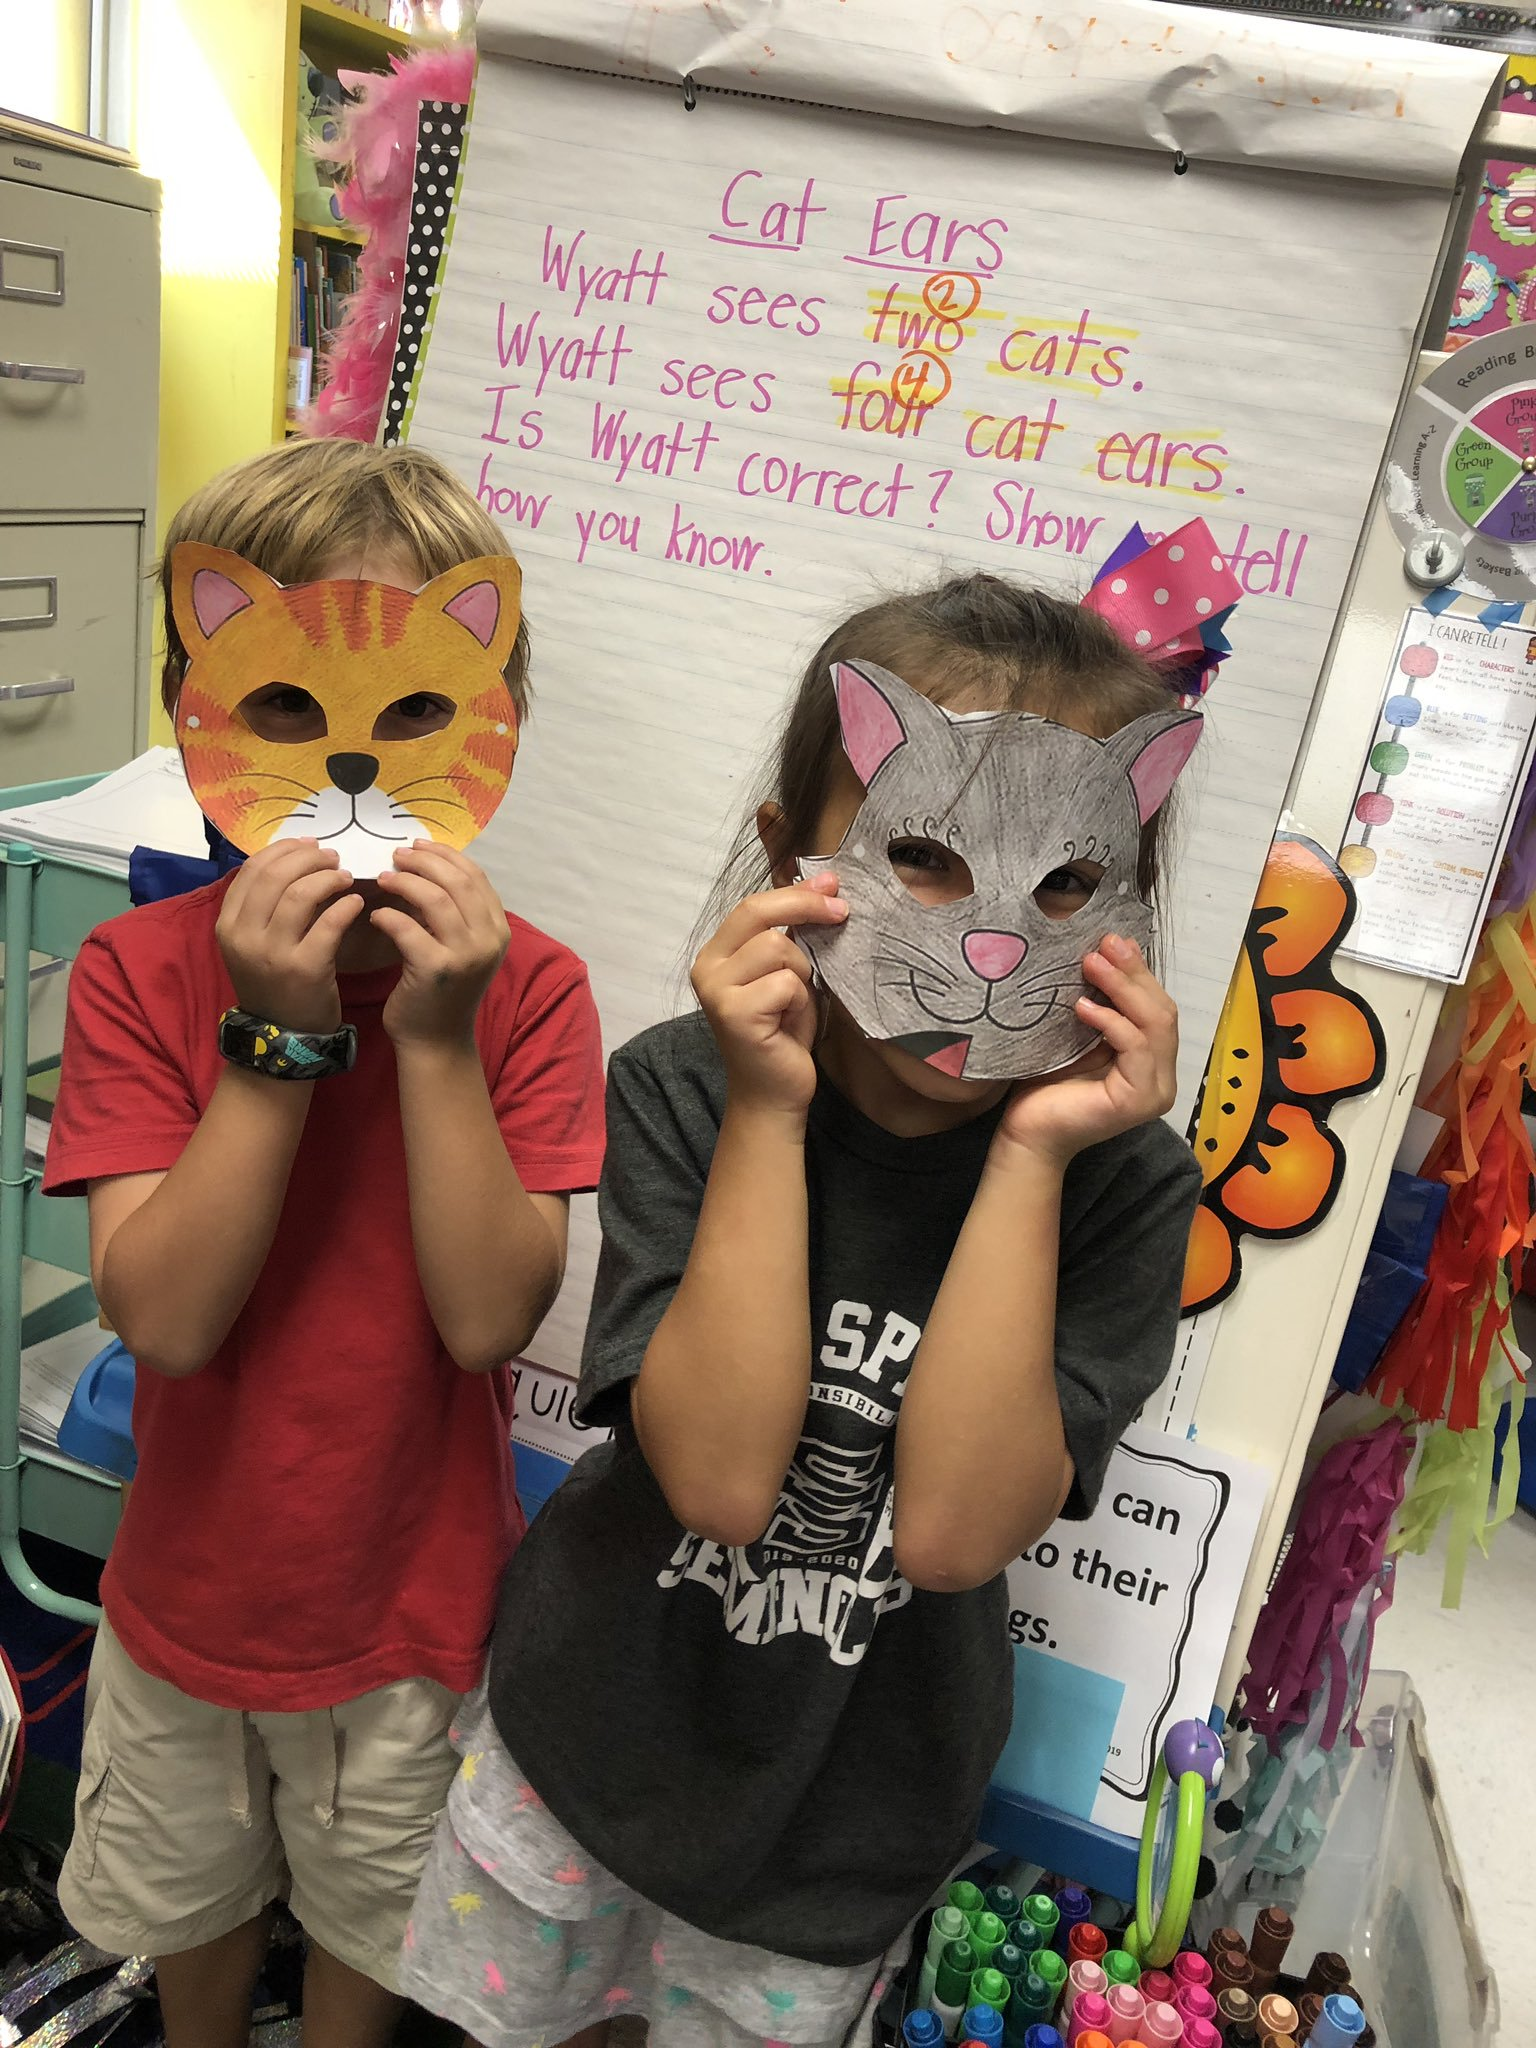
(354, 713)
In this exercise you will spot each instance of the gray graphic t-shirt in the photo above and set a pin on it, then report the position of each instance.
(786, 1744)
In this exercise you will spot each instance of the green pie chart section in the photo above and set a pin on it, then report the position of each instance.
(1477, 474)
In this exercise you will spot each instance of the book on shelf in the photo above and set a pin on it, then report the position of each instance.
(323, 277)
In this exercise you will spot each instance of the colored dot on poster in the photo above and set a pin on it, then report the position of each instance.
(1404, 711)
(1389, 758)
(1358, 861)
(1373, 808)
(1419, 661)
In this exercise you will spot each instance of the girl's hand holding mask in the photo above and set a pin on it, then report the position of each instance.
(1129, 1079)
(754, 985)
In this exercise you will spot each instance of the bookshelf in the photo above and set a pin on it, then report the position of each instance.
(217, 91)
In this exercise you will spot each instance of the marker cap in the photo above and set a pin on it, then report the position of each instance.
(1010, 1959)
(949, 1924)
(1050, 1966)
(1043, 2037)
(1231, 1970)
(1042, 1911)
(922, 2030)
(1277, 2015)
(957, 1966)
(1090, 2013)
(1272, 1933)
(987, 1933)
(1034, 1995)
(1226, 1937)
(967, 1897)
(1026, 1935)
(1309, 2006)
(1200, 2034)
(1003, 1900)
(1126, 2002)
(983, 2023)
(1278, 2041)
(1119, 1967)
(1340, 2024)
(1329, 1972)
(1086, 1977)
(1156, 1987)
(1096, 2040)
(1162, 2025)
(1190, 1967)
(1237, 2008)
(1073, 1903)
(989, 1988)
(1194, 2002)
(1087, 1943)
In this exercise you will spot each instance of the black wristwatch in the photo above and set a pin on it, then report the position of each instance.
(247, 1040)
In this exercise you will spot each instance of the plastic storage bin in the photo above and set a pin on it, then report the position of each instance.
(1387, 1890)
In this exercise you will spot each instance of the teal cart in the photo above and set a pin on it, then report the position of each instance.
(49, 904)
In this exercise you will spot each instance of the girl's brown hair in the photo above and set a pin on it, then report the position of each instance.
(977, 641)
(292, 509)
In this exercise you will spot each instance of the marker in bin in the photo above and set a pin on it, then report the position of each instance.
(1010, 1959)
(949, 1924)
(952, 1985)
(922, 2030)
(989, 1988)
(1127, 2010)
(1201, 2034)
(1085, 1977)
(1119, 1967)
(1339, 2025)
(1162, 2025)
(1031, 1999)
(1156, 1987)
(1277, 2015)
(1042, 1912)
(1090, 2014)
(1194, 2002)
(1189, 1967)
(1026, 1935)
(1043, 2037)
(984, 2025)
(1073, 1907)
(1279, 2041)
(1087, 1944)
(987, 1933)
(1272, 1933)
(967, 1898)
(1004, 1901)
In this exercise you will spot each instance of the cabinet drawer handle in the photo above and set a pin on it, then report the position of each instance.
(42, 373)
(55, 686)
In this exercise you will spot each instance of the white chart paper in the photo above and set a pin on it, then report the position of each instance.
(675, 353)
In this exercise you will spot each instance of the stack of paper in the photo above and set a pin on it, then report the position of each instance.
(146, 803)
(49, 1374)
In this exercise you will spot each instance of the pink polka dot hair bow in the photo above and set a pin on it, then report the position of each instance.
(1169, 599)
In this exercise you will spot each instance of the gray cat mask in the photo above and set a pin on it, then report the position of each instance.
(984, 987)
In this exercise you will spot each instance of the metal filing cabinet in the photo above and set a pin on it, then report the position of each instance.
(79, 406)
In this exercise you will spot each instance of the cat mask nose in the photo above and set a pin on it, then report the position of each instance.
(352, 773)
(993, 955)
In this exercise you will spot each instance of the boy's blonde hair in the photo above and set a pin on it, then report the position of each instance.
(292, 509)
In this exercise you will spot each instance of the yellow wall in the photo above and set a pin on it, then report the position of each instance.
(213, 125)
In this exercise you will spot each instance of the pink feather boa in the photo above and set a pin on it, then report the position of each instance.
(378, 140)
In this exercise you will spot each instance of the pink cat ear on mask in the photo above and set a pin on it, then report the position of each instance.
(478, 608)
(1160, 762)
(871, 727)
(215, 600)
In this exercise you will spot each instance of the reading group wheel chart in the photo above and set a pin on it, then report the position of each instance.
(1465, 461)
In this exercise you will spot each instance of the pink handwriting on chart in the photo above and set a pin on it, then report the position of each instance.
(750, 218)
(928, 333)
(903, 238)
(608, 283)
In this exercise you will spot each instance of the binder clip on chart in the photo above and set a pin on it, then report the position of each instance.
(1188, 1767)
(1460, 484)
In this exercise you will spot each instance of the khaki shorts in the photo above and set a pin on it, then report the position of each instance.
(191, 1819)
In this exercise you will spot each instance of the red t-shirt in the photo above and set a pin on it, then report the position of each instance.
(328, 1505)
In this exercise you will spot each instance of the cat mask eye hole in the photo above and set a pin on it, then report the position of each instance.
(929, 871)
(414, 715)
(284, 714)
(1068, 889)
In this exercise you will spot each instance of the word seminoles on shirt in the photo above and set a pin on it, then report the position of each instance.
(825, 1566)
